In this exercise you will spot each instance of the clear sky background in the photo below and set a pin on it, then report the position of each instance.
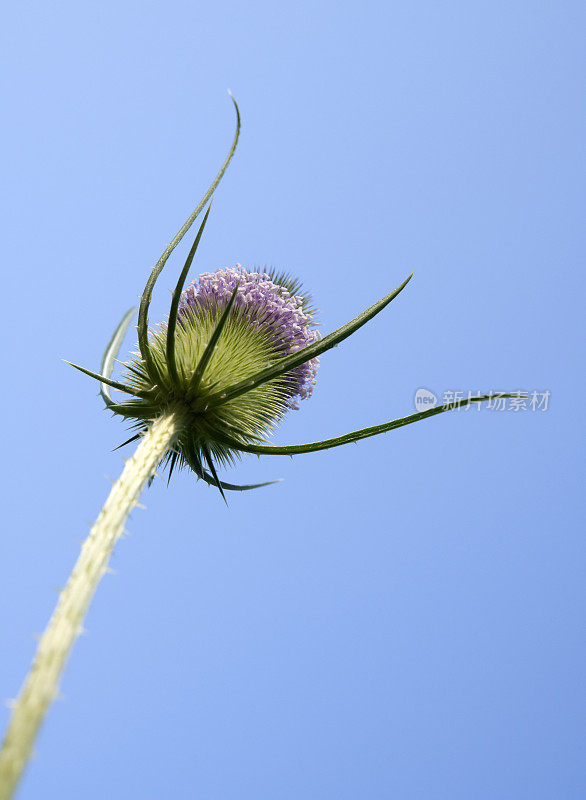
(401, 618)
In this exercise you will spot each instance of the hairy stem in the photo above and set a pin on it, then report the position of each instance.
(41, 685)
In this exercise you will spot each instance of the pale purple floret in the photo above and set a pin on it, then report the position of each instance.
(268, 305)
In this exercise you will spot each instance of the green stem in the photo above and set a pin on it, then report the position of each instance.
(41, 685)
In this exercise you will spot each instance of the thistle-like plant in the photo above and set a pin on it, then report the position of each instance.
(238, 349)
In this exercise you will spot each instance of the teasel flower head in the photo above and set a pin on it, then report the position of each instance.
(239, 349)
(230, 325)
(271, 317)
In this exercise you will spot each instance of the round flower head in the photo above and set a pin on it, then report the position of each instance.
(230, 325)
(276, 315)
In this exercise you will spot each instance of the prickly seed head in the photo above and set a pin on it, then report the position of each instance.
(265, 309)
(239, 349)
(268, 318)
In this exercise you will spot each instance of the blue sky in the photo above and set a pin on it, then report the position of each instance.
(399, 618)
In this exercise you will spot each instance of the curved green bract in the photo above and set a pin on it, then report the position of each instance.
(363, 433)
(137, 410)
(208, 457)
(170, 344)
(311, 351)
(196, 466)
(111, 352)
(211, 345)
(143, 341)
(114, 384)
(233, 487)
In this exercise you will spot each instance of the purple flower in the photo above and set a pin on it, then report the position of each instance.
(263, 300)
